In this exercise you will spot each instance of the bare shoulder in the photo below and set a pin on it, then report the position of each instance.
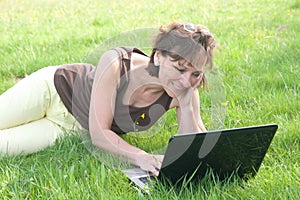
(108, 67)
(109, 60)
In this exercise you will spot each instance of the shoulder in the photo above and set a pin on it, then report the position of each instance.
(109, 70)
(112, 56)
(109, 61)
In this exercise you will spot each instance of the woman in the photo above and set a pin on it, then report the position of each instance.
(128, 91)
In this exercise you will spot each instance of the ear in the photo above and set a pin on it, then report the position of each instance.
(157, 58)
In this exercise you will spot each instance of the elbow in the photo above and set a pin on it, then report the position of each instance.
(97, 142)
(94, 137)
(94, 143)
(98, 139)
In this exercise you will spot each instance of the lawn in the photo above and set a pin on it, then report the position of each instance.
(257, 57)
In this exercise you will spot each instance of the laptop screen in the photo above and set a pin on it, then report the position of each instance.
(224, 152)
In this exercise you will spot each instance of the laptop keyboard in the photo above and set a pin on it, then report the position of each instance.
(146, 179)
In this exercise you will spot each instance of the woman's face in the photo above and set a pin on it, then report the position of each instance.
(177, 76)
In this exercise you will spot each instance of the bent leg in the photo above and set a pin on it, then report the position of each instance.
(26, 101)
(29, 138)
(32, 115)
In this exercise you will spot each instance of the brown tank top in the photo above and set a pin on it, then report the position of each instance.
(73, 83)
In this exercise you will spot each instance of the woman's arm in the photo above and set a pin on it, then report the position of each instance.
(188, 116)
(101, 114)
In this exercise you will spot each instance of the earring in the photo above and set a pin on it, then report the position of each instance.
(156, 64)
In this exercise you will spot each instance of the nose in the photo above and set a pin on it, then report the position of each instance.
(185, 80)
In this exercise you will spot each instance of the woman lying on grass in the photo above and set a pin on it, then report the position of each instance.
(127, 91)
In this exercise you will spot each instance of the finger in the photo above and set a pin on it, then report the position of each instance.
(159, 164)
(154, 173)
(197, 84)
(157, 161)
(161, 157)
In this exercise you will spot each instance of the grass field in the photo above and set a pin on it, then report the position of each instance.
(257, 53)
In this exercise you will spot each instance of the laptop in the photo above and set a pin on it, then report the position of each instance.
(226, 152)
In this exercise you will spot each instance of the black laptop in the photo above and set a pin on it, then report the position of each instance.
(237, 151)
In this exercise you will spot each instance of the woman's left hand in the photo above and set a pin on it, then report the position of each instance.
(186, 97)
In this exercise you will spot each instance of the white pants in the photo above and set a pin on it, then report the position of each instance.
(32, 116)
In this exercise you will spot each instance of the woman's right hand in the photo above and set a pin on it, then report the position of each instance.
(150, 162)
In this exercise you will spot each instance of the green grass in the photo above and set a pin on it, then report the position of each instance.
(258, 55)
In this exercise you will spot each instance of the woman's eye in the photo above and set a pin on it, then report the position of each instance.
(180, 70)
(196, 75)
